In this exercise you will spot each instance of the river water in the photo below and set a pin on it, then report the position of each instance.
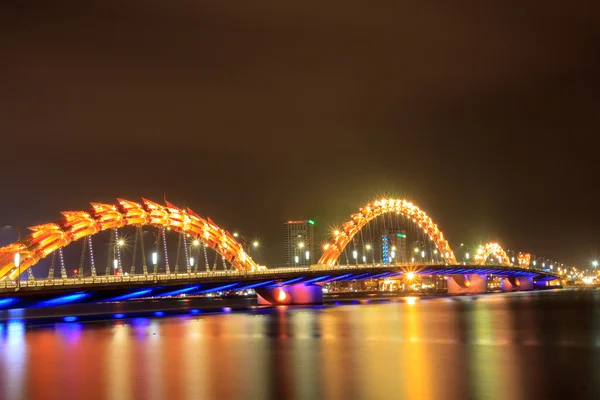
(499, 346)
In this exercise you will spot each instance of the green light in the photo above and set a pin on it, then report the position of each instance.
(310, 221)
(402, 235)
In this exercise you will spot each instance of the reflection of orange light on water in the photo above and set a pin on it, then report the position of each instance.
(282, 295)
(411, 300)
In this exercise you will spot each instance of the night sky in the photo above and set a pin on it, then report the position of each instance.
(253, 113)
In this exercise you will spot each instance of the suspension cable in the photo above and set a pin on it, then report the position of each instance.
(82, 258)
(203, 244)
(92, 263)
(51, 270)
(63, 270)
(164, 239)
(144, 265)
(187, 259)
(133, 257)
(178, 252)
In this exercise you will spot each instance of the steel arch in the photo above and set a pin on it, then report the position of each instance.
(491, 249)
(47, 238)
(341, 238)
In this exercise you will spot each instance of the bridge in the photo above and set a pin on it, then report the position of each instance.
(169, 231)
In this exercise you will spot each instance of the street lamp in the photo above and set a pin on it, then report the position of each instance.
(594, 263)
(155, 261)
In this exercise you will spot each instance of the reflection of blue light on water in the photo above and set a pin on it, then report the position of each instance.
(119, 315)
(194, 311)
(70, 331)
(133, 295)
(63, 299)
(7, 302)
(16, 327)
(226, 309)
(159, 313)
(180, 291)
(139, 322)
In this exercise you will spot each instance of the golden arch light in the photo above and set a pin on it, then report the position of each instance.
(491, 249)
(48, 238)
(373, 210)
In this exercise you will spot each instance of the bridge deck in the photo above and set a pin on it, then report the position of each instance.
(276, 274)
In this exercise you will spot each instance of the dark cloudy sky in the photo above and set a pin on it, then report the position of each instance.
(484, 113)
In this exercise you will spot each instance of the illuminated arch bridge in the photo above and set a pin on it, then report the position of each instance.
(194, 235)
(50, 238)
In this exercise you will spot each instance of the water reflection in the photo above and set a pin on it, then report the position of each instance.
(517, 346)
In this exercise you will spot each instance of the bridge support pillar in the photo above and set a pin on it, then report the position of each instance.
(292, 294)
(516, 283)
(467, 284)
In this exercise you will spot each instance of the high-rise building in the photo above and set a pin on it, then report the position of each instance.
(393, 247)
(299, 249)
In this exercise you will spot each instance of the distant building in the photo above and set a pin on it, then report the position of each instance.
(298, 241)
(393, 247)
